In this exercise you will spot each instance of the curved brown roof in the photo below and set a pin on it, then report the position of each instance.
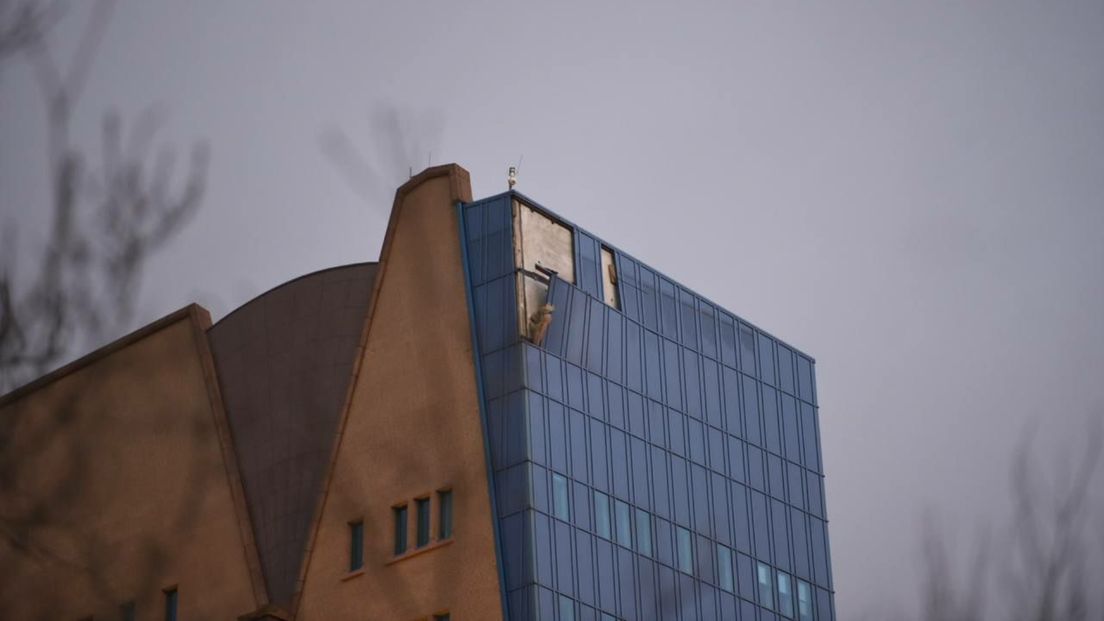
(284, 361)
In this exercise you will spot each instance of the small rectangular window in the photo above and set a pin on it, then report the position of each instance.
(560, 506)
(766, 586)
(643, 532)
(400, 529)
(724, 569)
(804, 601)
(356, 545)
(444, 517)
(127, 611)
(609, 279)
(444, 616)
(685, 546)
(601, 515)
(170, 604)
(785, 596)
(421, 534)
(624, 525)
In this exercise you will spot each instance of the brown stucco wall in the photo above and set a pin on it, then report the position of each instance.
(412, 427)
(114, 486)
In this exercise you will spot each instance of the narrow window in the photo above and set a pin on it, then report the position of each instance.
(785, 596)
(804, 601)
(685, 550)
(444, 517)
(356, 545)
(724, 569)
(559, 497)
(170, 604)
(624, 527)
(609, 279)
(567, 609)
(644, 532)
(766, 586)
(601, 515)
(444, 616)
(400, 529)
(421, 535)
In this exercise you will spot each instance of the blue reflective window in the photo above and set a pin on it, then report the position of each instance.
(804, 601)
(785, 369)
(567, 609)
(356, 545)
(685, 548)
(751, 411)
(766, 585)
(708, 330)
(766, 359)
(785, 596)
(649, 302)
(725, 577)
(399, 515)
(668, 311)
(747, 350)
(728, 341)
(643, 532)
(771, 435)
(589, 275)
(623, 522)
(689, 319)
(560, 507)
(601, 515)
(805, 379)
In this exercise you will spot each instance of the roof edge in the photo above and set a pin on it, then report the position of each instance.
(106, 350)
(288, 282)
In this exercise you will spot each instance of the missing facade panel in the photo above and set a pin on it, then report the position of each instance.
(543, 247)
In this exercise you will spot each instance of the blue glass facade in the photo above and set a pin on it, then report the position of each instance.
(660, 460)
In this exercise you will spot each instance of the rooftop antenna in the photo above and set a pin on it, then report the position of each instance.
(511, 176)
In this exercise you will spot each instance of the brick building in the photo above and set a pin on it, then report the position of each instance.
(505, 417)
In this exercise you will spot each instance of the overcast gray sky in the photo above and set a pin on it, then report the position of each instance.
(912, 192)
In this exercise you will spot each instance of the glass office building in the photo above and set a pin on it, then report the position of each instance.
(652, 455)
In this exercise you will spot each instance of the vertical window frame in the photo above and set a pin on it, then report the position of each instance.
(422, 513)
(445, 512)
(356, 545)
(400, 516)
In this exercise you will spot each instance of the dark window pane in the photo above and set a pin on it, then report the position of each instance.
(567, 609)
(400, 529)
(785, 596)
(643, 532)
(560, 506)
(601, 515)
(441, 617)
(684, 544)
(766, 585)
(126, 611)
(356, 546)
(422, 534)
(444, 516)
(804, 601)
(624, 527)
(170, 604)
(724, 569)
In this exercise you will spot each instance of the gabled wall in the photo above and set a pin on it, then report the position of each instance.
(412, 427)
(118, 482)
